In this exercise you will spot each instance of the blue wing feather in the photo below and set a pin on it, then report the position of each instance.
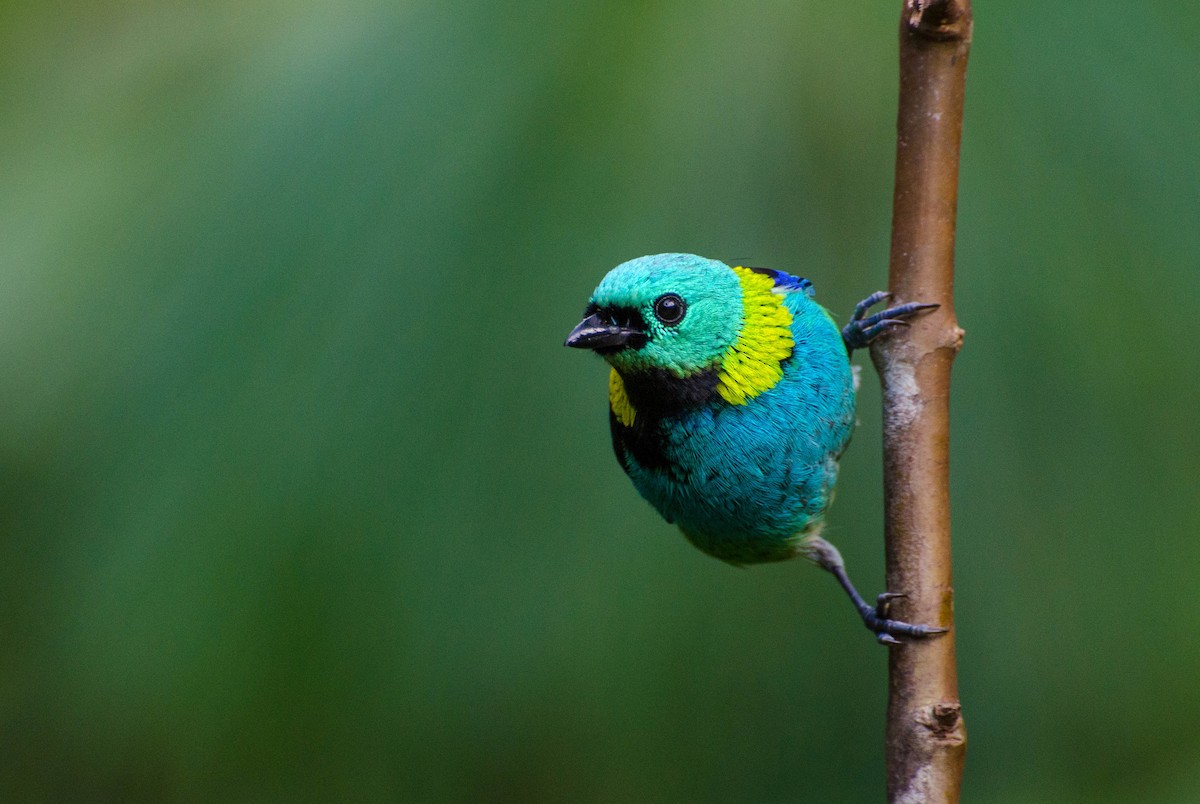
(785, 281)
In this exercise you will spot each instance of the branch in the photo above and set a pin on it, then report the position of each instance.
(926, 739)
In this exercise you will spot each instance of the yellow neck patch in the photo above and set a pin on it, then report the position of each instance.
(618, 400)
(752, 364)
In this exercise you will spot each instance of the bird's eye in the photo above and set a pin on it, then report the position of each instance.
(669, 309)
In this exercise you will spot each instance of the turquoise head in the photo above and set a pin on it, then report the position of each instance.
(675, 312)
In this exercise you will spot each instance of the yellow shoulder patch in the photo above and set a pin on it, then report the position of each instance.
(752, 364)
(618, 400)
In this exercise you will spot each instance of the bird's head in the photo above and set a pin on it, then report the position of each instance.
(674, 312)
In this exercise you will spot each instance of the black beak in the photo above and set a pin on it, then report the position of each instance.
(594, 332)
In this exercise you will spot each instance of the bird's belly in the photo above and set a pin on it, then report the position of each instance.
(737, 491)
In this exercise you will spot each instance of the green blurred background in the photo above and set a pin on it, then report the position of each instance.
(302, 499)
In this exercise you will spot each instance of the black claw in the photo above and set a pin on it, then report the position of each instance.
(863, 329)
(882, 625)
(875, 298)
(871, 333)
(886, 315)
(883, 602)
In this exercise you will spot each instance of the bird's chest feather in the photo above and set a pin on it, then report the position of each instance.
(759, 469)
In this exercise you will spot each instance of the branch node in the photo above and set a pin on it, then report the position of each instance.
(943, 721)
(938, 20)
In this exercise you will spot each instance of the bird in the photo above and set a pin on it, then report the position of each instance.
(731, 399)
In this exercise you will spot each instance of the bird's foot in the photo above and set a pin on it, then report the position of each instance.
(886, 630)
(863, 329)
(826, 556)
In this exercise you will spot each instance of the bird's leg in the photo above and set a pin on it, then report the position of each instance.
(863, 329)
(875, 618)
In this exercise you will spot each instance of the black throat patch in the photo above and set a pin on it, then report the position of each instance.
(657, 393)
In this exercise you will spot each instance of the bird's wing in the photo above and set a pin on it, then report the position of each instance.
(785, 282)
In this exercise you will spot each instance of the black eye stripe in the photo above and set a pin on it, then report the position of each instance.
(669, 308)
(618, 315)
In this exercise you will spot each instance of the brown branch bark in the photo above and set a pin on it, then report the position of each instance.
(926, 738)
